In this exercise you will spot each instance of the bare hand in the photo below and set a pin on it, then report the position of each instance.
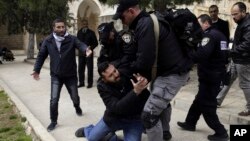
(88, 52)
(141, 83)
(35, 75)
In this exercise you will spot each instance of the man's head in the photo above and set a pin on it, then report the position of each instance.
(238, 11)
(205, 21)
(106, 32)
(85, 23)
(108, 72)
(213, 12)
(127, 11)
(59, 27)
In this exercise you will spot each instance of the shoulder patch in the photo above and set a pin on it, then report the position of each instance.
(127, 38)
(205, 41)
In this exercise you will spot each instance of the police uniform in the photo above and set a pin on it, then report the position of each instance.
(211, 58)
(121, 51)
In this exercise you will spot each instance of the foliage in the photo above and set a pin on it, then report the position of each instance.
(11, 128)
(35, 16)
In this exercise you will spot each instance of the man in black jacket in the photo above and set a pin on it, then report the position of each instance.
(60, 46)
(124, 99)
(89, 38)
(172, 66)
(241, 50)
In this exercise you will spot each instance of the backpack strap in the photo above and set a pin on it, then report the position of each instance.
(157, 32)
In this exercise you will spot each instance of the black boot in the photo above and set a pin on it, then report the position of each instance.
(51, 126)
(78, 111)
(186, 126)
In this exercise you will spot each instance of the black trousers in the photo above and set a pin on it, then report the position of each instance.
(56, 86)
(205, 104)
(82, 62)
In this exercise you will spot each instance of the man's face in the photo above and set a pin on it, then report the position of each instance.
(237, 14)
(213, 12)
(59, 29)
(127, 17)
(85, 24)
(111, 75)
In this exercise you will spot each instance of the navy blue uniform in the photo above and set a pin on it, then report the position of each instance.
(211, 58)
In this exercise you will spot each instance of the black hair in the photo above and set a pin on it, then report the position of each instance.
(214, 6)
(204, 18)
(241, 6)
(58, 20)
(102, 67)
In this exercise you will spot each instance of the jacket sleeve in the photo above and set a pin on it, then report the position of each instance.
(244, 46)
(204, 50)
(123, 106)
(146, 45)
(93, 41)
(80, 45)
(42, 55)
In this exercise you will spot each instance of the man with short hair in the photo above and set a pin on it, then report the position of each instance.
(172, 66)
(211, 58)
(87, 36)
(124, 99)
(60, 46)
(241, 50)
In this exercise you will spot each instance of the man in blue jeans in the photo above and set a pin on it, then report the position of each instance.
(124, 101)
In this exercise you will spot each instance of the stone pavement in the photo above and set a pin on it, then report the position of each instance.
(32, 99)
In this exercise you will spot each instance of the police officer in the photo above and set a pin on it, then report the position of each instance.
(172, 71)
(117, 47)
(211, 58)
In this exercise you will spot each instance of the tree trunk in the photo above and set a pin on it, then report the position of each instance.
(31, 52)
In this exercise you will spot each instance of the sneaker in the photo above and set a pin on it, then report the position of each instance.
(80, 132)
(217, 137)
(186, 126)
(78, 111)
(51, 126)
(167, 135)
(244, 113)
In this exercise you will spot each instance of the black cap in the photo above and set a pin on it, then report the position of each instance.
(122, 6)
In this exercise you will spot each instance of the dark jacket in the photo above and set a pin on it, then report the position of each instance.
(171, 59)
(120, 100)
(62, 63)
(212, 53)
(223, 27)
(241, 45)
(89, 38)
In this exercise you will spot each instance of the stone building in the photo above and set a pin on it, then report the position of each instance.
(96, 13)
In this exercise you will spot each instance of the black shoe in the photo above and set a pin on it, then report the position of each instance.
(80, 132)
(167, 135)
(51, 126)
(218, 137)
(80, 85)
(186, 126)
(89, 86)
(78, 111)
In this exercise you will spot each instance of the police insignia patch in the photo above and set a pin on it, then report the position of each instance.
(126, 38)
(204, 41)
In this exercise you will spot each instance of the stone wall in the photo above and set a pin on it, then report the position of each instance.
(13, 42)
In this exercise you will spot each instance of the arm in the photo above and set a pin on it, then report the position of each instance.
(244, 45)
(93, 40)
(124, 105)
(42, 55)
(146, 45)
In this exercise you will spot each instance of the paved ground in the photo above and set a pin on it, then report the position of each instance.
(32, 99)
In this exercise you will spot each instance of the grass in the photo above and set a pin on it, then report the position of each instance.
(11, 128)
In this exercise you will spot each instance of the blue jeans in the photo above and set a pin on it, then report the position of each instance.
(132, 130)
